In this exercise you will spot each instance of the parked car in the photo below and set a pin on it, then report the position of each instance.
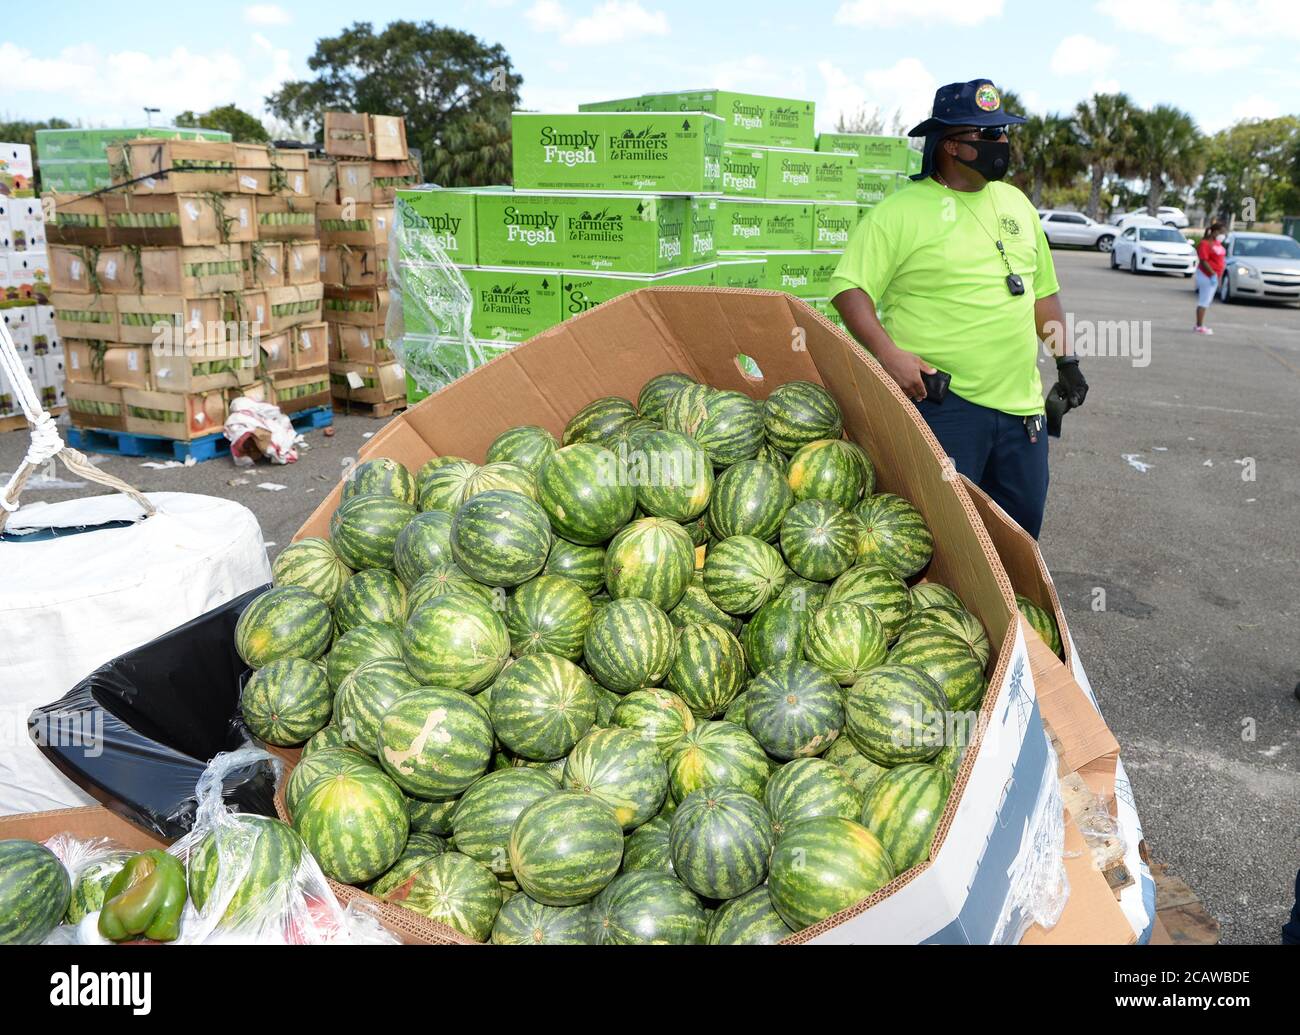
(1167, 214)
(1263, 266)
(1153, 249)
(1075, 228)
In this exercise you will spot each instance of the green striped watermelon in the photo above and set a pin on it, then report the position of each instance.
(456, 641)
(599, 420)
(542, 705)
(720, 839)
(686, 409)
(565, 848)
(329, 737)
(585, 565)
(431, 817)
(34, 892)
(769, 454)
(359, 645)
(287, 701)
(501, 477)
(809, 787)
(653, 559)
(374, 596)
(320, 763)
(877, 588)
(932, 594)
(738, 710)
(709, 669)
(550, 615)
(628, 443)
(749, 498)
(447, 578)
(1041, 621)
(522, 921)
(504, 759)
(623, 770)
(312, 564)
(452, 889)
(364, 530)
(629, 645)
(947, 659)
(846, 640)
(896, 714)
(775, 633)
(606, 702)
(861, 771)
(750, 919)
(893, 535)
(500, 538)
(732, 429)
(420, 848)
(819, 539)
(423, 545)
(805, 594)
(647, 908)
(441, 484)
(864, 463)
(695, 607)
(717, 754)
(823, 865)
(793, 710)
(903, 811)
(646, 848)
(286, 622)
(364, 696)
(656, 392)
(486, 813)
(673, 476)
(526, 446)
(743, 573)
(828, 469)
(660, 716)
(955, 620)
(584, 493)
(259, 858)
(799, 412)
(434, 743)
(383, 477)
(354, 824)
(90, 883)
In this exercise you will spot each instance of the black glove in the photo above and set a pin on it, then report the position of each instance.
(1070, 379)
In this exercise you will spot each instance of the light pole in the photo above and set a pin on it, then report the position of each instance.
(149, 113)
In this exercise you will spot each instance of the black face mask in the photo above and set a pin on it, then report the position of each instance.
(992, 157)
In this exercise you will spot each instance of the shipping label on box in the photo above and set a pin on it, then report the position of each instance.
(810, 176)
(744, 171)
(583, 291)
(443, 216)
(388, 137)
(383, 382)
(832, 225)
(72, 268)
(512, 305)
(290, 172)
(748, 226)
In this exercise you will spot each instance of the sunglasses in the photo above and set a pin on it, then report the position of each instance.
(985, 133)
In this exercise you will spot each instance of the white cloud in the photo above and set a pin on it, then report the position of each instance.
(1257, 107)
(266, 14)
(1105, 86)
(906, 87)
(1219, 58)
(1190, 23)
(879, 14)
(756, 73)
(1082, 55)
(609, 22)
(547, 16)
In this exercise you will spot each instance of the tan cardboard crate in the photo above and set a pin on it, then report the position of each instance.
(349, 344)
(292, 305)
(128, 366)
(348, 266)
(286, 219)
(174, 166)
(79, 315)
(360, 307)
(387, 178)
(388, 138)
(96, 406)
(119, 269)
(367, 382)
(263, 263)
(253, 169)
(180, 219)
(85, 824)
(77, 219)
(300, 391)
(144, 319)
(276, 353)
(255, 391)
(363, 225)
(251, 311)
(310, 347)
(229, 364)
(192, 271)
(347, 133)
(72, 268)
(170, 415)
(84, 364)
(355, 182)
(323, 180)
(302, 262)
(290, 172)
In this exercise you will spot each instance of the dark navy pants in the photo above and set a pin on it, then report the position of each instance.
(992, 449)
(1291, 930)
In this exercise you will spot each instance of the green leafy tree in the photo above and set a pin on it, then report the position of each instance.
(1252, 159)
(1167, 150)
(1051, 152)
(242, 127)
(454, 91)
(1105, 124)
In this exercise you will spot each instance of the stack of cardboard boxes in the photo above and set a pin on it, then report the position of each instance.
(75, 161)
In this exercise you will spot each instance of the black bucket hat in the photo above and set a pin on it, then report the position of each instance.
(976, 103)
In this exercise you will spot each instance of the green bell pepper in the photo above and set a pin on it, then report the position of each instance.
(146, 897)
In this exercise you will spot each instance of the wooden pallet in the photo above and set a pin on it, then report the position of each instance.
(1181, 918)
(19, 423)
(209, 447)
(379, 411)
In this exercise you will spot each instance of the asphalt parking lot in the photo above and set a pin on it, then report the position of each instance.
(1176, 490)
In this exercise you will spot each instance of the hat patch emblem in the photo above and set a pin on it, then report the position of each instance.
(986, 97)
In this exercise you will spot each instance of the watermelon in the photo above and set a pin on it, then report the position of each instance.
(800, 412)
(320, 763)
(846, 640)
(749, 498)
(877, 588)
(565, 848)
(423, 545)
(947, 659)
(420, 848)
(500, 538)
(819, 539)
(629, 645)
(656, 392)
(695, 607)
(34, 892)
(583, 492)
(441, 483)
(90, 884)
(542, 705)
(686, 409)
(1041, 621)
(827, 469)
(549, 615)
(769, 454)
(523, 921)
(449, 578)
(717, 754)
(383, 477)
(456, 641)
(431, 817)
(738, 710)
(720, 839)
(864, 464)
(248, 865)
(893, 535)
(673, 476)
(659, 716)
(861, 771)
(652, 559)
(354, 824)
(709, 669)
(793, 710)
(504, 759)
(287, 701)
(606, 702)
(434, 742)
(372, 596)
(628, 443)
(732, 429)
(623, 770)
(956, 620)
(525, 446)
(487, 811)
(903, 811)
(809, 787)
(750, 919)
(896, 714)
(363, 698)
(329, 737)
(823, 865)
(645, 907)
(502, 477)
(775, 633)
(743, 573)
(805, 594)
(452, 889)
(286, 622)
(599, 420)
(646, 848)
(585, 565)
(364, 530)
(312, 564)
(932, 594)
(359, 645)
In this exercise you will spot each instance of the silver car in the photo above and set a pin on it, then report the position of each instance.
(1075, 228)
(1263, 266)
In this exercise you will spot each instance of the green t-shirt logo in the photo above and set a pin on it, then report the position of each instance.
(1010, 227)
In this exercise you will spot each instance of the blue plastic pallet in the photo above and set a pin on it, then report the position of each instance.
(209, 447)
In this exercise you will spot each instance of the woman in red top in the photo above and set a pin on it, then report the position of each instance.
(1212, 258)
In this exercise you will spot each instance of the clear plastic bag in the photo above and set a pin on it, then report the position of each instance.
(90, 865)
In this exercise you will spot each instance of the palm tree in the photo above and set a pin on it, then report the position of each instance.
(1167, 149)
(1106, 130)
(472, 152)
(1051, 153)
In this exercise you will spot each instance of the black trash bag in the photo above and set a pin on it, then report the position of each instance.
(137, 733)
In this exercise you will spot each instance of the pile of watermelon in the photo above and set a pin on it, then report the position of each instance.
(673, 678)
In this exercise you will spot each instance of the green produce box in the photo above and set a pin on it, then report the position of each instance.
(618, 151)
(802, 274)
(748, 118)
(832, 225)
(875, 185)
(89, 144)
(74, 176)
(824, 306)
(446, 359)
(641, 103)
(448, 215)
(744, 171)
(512, 305)
(914, 160)
(741, 272)
(583, 291)
(800, 175)
(610, 233)
(763, 226)
(701, 235)
(874, 152)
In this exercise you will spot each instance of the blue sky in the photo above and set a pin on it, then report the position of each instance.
(1220, 59)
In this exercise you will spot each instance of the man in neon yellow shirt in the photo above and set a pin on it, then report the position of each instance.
(954, 274)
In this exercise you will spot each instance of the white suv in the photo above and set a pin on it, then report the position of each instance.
(1167, 214)
(1075, 228)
